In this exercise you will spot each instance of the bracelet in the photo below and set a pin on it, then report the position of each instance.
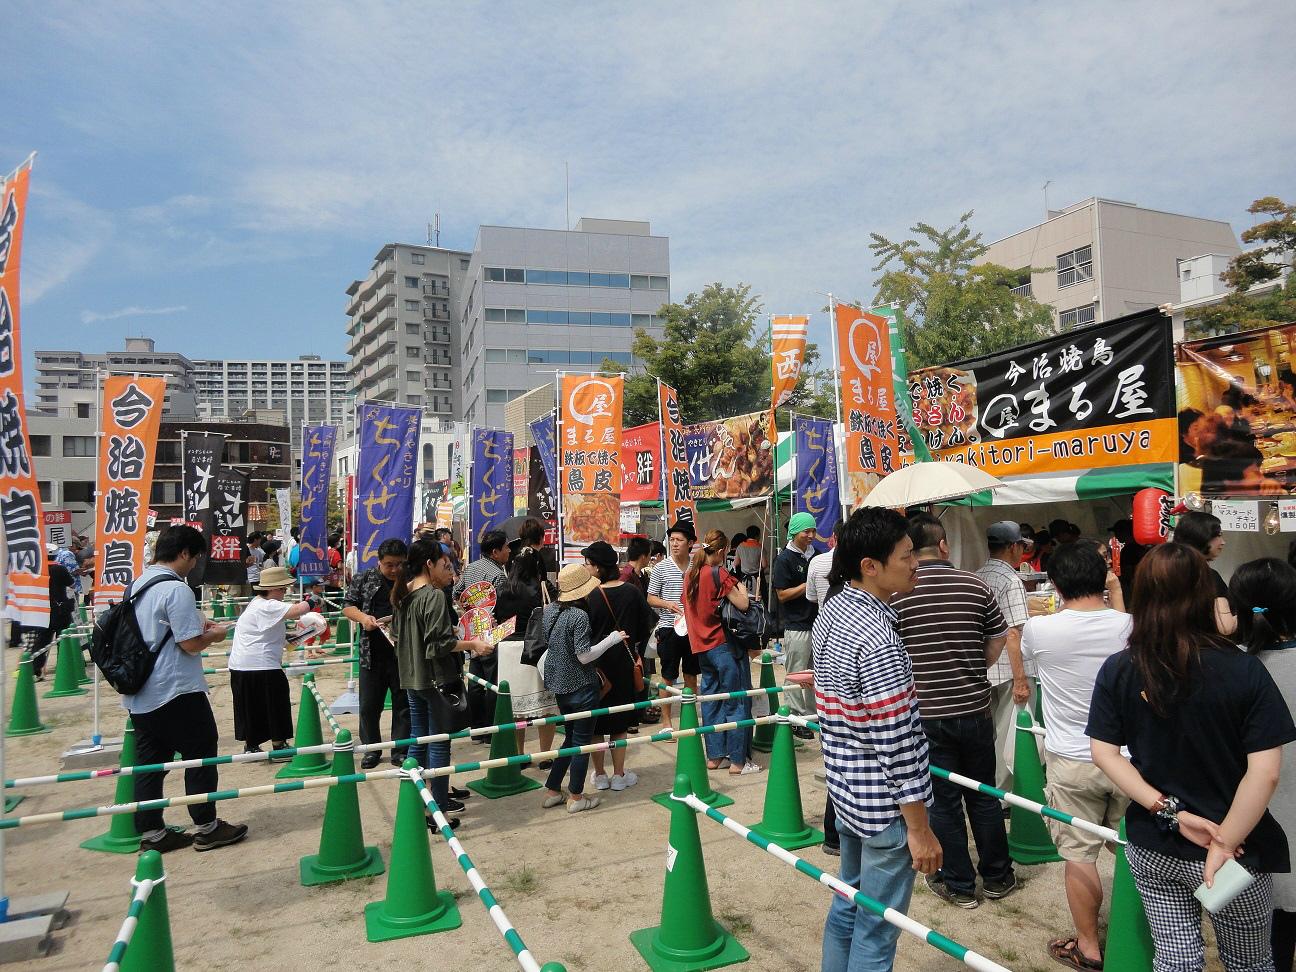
(1166, 810)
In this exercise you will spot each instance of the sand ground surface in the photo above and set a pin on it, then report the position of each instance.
(574, 886)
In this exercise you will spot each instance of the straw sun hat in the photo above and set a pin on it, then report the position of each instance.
(273, 578)
(574, 582)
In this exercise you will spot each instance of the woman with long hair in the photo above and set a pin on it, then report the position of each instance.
(1202, 532)
(1264, 592)
(725, 667)
(1205, 726)
(616, 606)
(430, 653)
(523, 589)
(569, 673)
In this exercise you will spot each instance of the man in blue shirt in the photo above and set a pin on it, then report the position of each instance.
(171, 713)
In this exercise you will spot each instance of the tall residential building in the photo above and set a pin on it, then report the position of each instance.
(307, 390)
(1101, 259)
(67, 382)
(537, 301)
(401, 344)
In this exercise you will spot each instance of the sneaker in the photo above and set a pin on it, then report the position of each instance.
(283, 757)
(252, 749)
(747, 769)
(958, 898)
(626, 780)
(169, 841)
(452, 805)
(601, 781)
(1000, 889)
(370, 760)
(802, 732)
(224, 835)
(452, 821)
(398, 758)
(460, 794)
(544, 764)
(831, 850)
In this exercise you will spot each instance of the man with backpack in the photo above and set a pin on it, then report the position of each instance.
(170, 711)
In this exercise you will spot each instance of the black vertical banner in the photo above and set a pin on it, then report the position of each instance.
(228, 537)
(200, 463)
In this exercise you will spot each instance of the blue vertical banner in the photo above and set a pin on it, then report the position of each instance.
(817, 488)
(544, 433)
(385, 477)
(491, 490)
(317, 465)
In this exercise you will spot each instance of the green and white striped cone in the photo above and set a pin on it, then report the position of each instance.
(690, 760)
(783, 822)
(24, 715)
(308, 734)
(121, 837)
(150, 947)
(689, 939)
(342, 635)
(342, 852)
(83, 676)
(763, 735)
(1028, 838)
(1129, 939)
(502, 781)
(65, 671)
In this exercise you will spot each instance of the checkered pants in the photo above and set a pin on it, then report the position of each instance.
(1166, 885)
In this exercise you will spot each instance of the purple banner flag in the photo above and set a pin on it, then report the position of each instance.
(817, 488)
(317, 465)
(388, 467)
(491, 492)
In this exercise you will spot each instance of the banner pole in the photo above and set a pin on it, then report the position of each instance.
(662, 472)
(558, 456)
(774, 423)
(837, 450)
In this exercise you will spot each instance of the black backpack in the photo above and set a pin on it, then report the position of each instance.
(118, 647)
(746, 630)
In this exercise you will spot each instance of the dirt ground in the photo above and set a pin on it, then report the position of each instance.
(573, 886)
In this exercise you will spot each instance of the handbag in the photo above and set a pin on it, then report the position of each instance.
(536, 640)
(744, 629)
(636, 663)
(453, 694)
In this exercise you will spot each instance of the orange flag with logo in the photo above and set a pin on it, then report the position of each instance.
(868, 403)
(589, 456)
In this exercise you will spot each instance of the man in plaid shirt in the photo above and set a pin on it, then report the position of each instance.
(875, 752)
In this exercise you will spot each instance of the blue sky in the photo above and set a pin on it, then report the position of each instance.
(215, 175)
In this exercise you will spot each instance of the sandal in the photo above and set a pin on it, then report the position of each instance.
(747, 769)
(551, 800)
(1067, 951)
(718, 764)
(651, 715)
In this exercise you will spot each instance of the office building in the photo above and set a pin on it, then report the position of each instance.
(1102, 259)
(257, 444)
(538, 301)
(68, 382)
(401, 344)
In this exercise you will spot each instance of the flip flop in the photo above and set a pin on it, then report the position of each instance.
(1067, 952)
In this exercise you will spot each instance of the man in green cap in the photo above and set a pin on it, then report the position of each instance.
(789, 582)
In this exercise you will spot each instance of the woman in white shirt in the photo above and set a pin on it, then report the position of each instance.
(262, 708)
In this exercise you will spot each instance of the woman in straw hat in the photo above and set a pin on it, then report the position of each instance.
(570, 674)
(262, 709)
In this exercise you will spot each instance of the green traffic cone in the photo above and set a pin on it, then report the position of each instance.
(690, 760)
(65, 672)
(689, 939)
(25, 717)
(342, 635)
(502, 781)
(84, 614)
(387, 702)
(150, 946)
(783, 823)
(83, 677)
(342, 851)
(763, 735)
(11, 802)
(308, 734)
(121, 837)
(1028, 837)
(1039, 704)
(413, 905)
(1129, 940)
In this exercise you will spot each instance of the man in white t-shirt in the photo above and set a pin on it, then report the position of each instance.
(1068, 648)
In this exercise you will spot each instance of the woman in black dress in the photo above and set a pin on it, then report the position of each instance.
(616, 606)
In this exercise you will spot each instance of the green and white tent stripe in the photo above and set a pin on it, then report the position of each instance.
(1085, 484)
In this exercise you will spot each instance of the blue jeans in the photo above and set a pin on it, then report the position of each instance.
(725, 669)
(856, 940)
(429, 755)
(579, 733)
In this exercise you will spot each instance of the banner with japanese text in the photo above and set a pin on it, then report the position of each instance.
(435, 492)
(227, 553)
(589, 429)
(521, 480)
(871, 445)
(385, 476)
(787, 354)
(680, 504)
(817, 485)
(201, 456)
(544, 433)
(1089, 398)
(731, 458)
(491, 493)
(132, 414)
(542, 501)
(283, 499)
(20, 507)
(316, 480)
(1237, 415)
(641, 464)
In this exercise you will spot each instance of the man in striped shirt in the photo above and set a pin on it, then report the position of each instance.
(875, 753)
(953, 629)
(666, 594)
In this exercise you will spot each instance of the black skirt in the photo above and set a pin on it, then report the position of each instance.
(262, 709)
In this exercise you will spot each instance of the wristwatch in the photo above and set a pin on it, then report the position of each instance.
(1166, 809)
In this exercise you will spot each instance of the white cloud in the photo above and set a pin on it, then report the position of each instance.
(91, 317)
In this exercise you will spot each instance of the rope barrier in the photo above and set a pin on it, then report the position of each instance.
(304, 663)
(323, 707)
(80, 776)
(1034, 730)
(288, 786)
(889, 915)
(663, 687)
(143, 889)
(489, 686)
(1043, 809)
(506, 929)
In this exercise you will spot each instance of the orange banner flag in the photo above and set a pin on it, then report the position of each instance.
(680, 504)
(787, 354)
(589, 457)
(867, 399)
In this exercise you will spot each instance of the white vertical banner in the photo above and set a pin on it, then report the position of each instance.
(284, 498)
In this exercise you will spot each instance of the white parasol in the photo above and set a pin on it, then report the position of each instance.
(930, 482)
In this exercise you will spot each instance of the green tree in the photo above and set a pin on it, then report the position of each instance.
(953, 308)
(714, 351)
(1243, 311)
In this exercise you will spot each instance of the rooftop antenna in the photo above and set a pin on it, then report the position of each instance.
(434, 231)
(1047, 183)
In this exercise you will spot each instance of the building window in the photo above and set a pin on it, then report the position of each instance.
(1074, 267)
(413, 305)
(83, 409)
(413, 282)
(413, 330)
(78, 446)
(506, 356)
(501, 396)
(1076, 317)
(80, 492)
(418, 259)
(413, 352)
(413, 399)
(40, 445)
(43, 487)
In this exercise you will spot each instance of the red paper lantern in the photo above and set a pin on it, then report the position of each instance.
(1152, 516)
